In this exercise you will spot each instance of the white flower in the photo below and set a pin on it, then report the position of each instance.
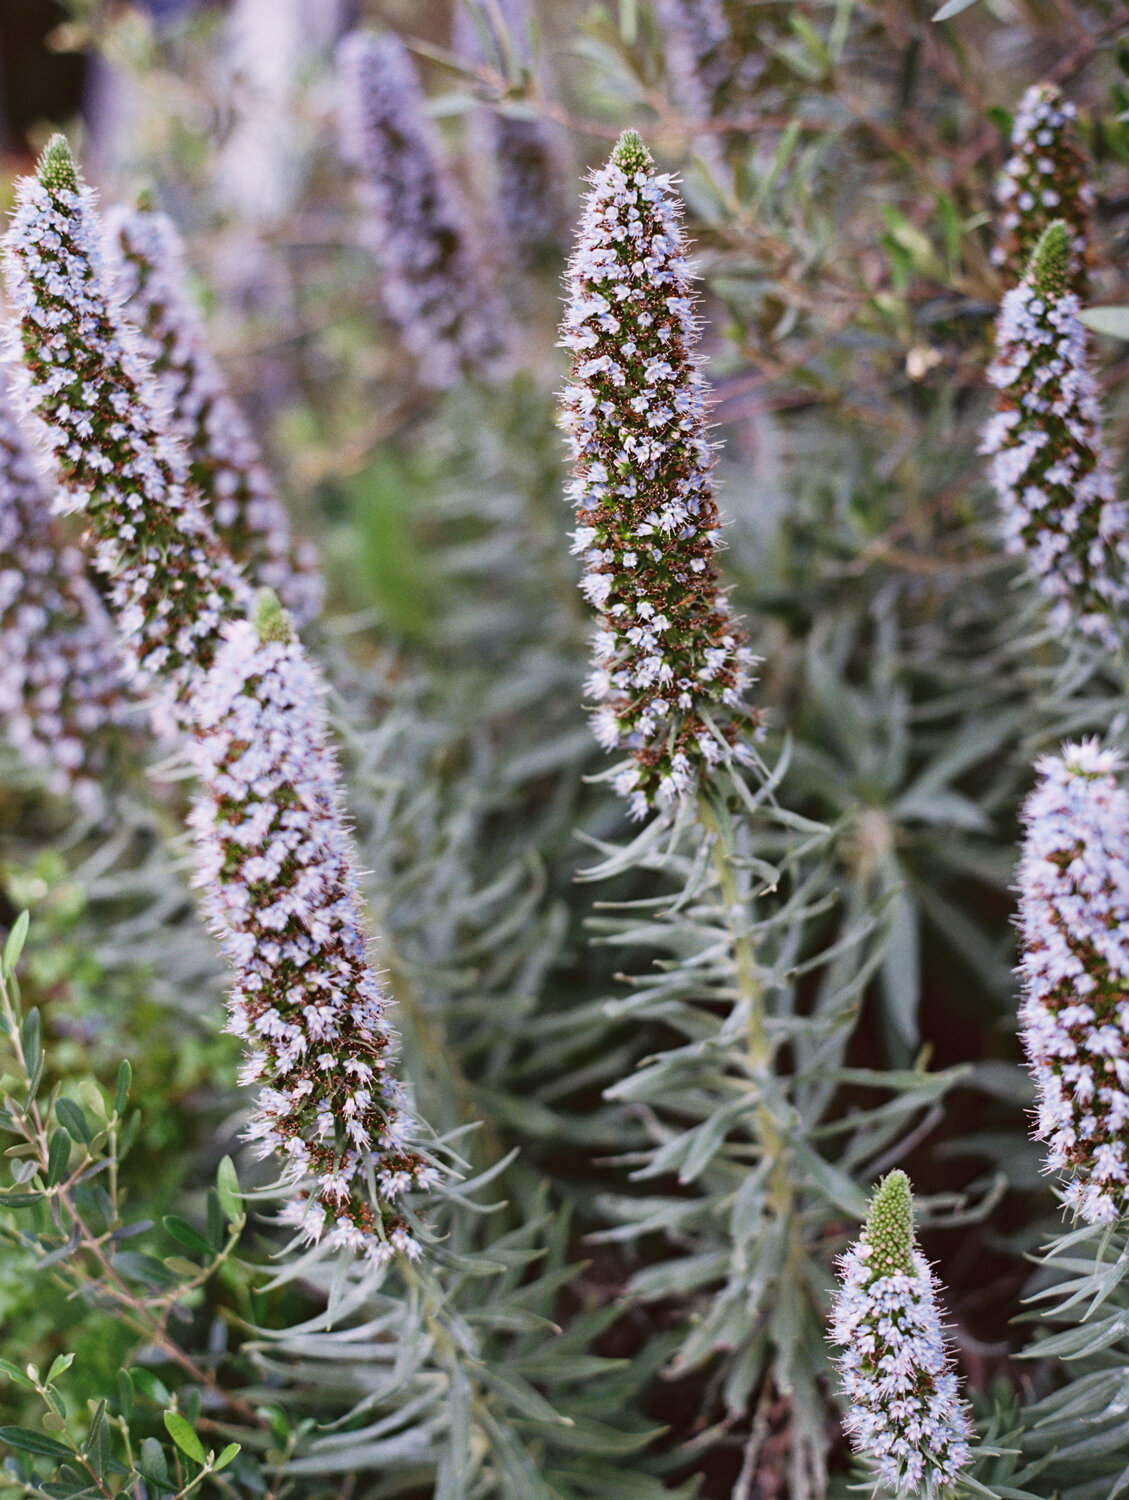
(1074, 922)
(432, 279)
(906, 1416)
(146, 260)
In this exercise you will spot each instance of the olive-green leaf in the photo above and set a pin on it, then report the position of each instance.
(184, 1438)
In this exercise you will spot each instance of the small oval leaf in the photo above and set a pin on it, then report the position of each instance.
(184, 1438)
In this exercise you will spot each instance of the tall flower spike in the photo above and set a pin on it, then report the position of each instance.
(906, 1416)
(1050, 468)
(1047, 177)
(61, 678)
(671, 663)
(1074, 918)
(276, 867)
(100, 417)
(695, 34)
(528, 152)
(146, 256)
(433, 282)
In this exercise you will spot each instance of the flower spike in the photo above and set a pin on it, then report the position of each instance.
(1049, 465)
(906, 1416)
(61, 674)
(1074, 915)
(100, 417)
(1046, 178)
(433, 282)
(280, 889)
(146, 256)
(671, 663)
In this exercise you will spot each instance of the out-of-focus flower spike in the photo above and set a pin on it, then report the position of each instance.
(1074, 920)
(529, 154)
(1047, 177)
(101, 419)
(906, 1417)
(695, 35)
(1049, 464)
(671, 664)
(62, 695)
(276, 868)
(225, 467)
(433, 283)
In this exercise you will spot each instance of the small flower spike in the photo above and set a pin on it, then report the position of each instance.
(1074, 1020)
(671, 663)
(146, 257)
(1049, 465)
(101, 419)
(1047, 177)
(276, 866)
(433, 282)
(906, 1416)
(61, 677)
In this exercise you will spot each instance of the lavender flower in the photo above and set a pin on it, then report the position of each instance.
(671, 664)
(527, 152)
(147, 261)
(1046, 178)
(276, 867)
(433, 283)
(99, 416)
(695, 35)
(1074, 917)
(1050, 468)
(61, 691)
(906, 1416)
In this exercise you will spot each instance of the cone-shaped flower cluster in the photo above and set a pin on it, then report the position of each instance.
(1074, 921)
(671, 665)
(906, 1416)
(528, 153)
(1049, 468)
(276, 868)
(695, 34)
(1046, 178)
(61, 690)
(99, 414)
(146, 257)
(433, 283)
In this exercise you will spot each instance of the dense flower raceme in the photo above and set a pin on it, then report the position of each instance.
(1046, 178)
(671, 664)
(433, 283)
(1049, 464)
(1074, 917)
(147, 261)
(905, 1416)
(275, 865)
(61, 687)
(101, 418)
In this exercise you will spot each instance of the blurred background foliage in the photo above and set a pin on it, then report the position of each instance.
(838, 174)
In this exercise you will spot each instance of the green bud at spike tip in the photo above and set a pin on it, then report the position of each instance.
(1049, 271)
(270, 620)
(889, 1226)
(630, 154)
(56, 170)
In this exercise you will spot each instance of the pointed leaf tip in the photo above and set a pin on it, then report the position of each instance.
(56, 170)
(630, 154)
(1049, 271)
(270, 619)
(889, 1226)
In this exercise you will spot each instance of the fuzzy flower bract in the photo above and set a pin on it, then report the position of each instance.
(1074, 917)
(906, 1416)
(671, 664)
(146, 257)
(101, 418)
(1045, 178)
(432, 282)
(275, 865)
(61, 677)
(1049, 464)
